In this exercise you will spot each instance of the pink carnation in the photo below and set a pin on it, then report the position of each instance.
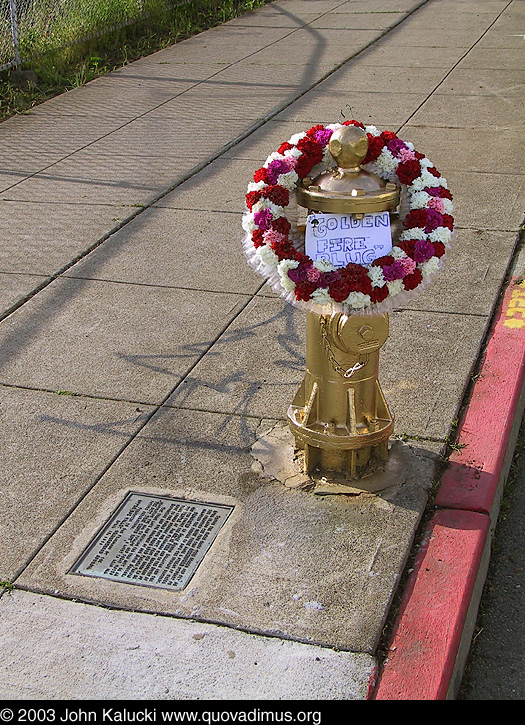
(313, 274)
(271, 236)
(408, 265)
(437, 204)
(405, 154)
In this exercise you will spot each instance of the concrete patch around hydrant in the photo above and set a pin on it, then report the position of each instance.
(277, 458)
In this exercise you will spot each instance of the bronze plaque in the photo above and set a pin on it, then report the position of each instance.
(154, 541)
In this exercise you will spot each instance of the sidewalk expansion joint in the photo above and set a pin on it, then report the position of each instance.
(146, 417)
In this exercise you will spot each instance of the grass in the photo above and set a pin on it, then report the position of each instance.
(57, 64)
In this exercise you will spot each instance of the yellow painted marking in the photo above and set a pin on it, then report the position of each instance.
(516, 308)
(514, 324)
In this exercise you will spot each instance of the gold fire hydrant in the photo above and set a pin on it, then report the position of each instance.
(339, 416)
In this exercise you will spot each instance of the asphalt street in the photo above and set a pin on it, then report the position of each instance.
(496, 665)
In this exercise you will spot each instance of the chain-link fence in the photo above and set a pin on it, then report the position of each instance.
(31, 27)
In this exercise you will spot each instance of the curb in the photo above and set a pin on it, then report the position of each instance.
(433, 630)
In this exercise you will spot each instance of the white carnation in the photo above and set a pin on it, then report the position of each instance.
(372, 130)
(419, 200)
(426, 179)
(441, 234)
(289, 180)
(294, 140)
(264, 203)
(395, 287)
(287, 283)
(256, 185)
(430, 267)
(248, 224)
(259, 206)
(387, 161)
(267, 256)
(276, 210)
(376, 275)
(415, 233)
(448, 205)
(322, 296)
(357, 300)
(375, 168)
(324, 265)
(286, 264)
(295, 153)
(397, 253)
(328, 159)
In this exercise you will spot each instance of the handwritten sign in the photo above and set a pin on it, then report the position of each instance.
(341, 238)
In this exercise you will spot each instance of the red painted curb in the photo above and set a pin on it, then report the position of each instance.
(471, 481)
(432, 620)
(430, 623)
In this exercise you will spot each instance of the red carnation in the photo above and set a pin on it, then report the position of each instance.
(407, 171)
(252, 198)
(312, 131)
(284, 249)
(378, 294)
(310, 147)
(284, 147)
(261, 175)
(416, 218)
(339, 290)
(312, 154)
(300, 257)
(444, 193)
(375, 146)
(448, 221)
(383, 261)
(407, 245)
(304, 289)
(434, 171)
(388, 136)
(354, 123)
(257, 238)
(419, 155)
(304, 166)
(411, 281)
(357, 278)
(277, 194)
(439, 249)
(281, 225)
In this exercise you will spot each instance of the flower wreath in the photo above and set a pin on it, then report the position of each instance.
(415, 257)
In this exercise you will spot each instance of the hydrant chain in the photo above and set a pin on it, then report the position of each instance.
(345, 373)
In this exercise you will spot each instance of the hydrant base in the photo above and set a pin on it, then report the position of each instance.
(277, 457)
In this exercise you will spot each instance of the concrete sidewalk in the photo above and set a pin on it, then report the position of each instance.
(140, 352)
